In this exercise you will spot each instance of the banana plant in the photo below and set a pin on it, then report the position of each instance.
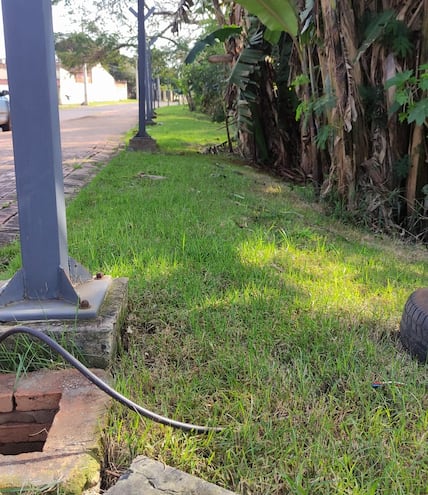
(220, 35)
(277, 15)
(244, 76)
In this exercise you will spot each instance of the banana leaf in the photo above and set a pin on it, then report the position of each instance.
(219, 35)
(277, 15)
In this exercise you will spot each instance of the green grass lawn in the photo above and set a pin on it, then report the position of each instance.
(251, 309)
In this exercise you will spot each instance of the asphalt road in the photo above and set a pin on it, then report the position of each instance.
(84, 132)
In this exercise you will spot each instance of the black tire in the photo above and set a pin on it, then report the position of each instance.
(414, 324)
(6, 127)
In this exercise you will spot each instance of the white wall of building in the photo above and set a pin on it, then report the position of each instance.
(101, 87)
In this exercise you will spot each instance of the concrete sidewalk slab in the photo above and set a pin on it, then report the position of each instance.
(149, 477)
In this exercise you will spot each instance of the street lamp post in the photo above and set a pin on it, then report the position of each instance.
(150, 84)
(142, 141)
(49, 284)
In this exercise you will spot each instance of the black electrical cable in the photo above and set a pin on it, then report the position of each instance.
(102, 385)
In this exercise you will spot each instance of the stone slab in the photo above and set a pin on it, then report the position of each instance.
(149, 477)
(70, 460)
(95, 340)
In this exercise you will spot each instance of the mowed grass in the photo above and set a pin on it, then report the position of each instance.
(250, 309)
(179, 131)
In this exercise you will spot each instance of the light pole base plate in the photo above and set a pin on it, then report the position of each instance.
(91, 294)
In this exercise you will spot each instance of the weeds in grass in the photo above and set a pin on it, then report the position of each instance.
(22, 354)
(51, 489)
(250, 309)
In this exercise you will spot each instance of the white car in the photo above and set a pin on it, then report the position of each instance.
(4, 111)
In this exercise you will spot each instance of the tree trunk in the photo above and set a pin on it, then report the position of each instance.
(340, 74)
(417, 149)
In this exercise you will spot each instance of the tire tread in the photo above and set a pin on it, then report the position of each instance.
(414, 324)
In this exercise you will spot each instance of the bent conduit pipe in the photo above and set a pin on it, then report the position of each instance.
(103, 386)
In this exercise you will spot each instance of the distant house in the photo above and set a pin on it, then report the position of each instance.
(101, 86)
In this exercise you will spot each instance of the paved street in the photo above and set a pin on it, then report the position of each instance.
(89, 135)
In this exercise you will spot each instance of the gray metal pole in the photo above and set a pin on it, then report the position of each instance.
(142, 63)
(47, 273)
(151, 113)
(85, 84)
(158, 90)
(142, 141)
